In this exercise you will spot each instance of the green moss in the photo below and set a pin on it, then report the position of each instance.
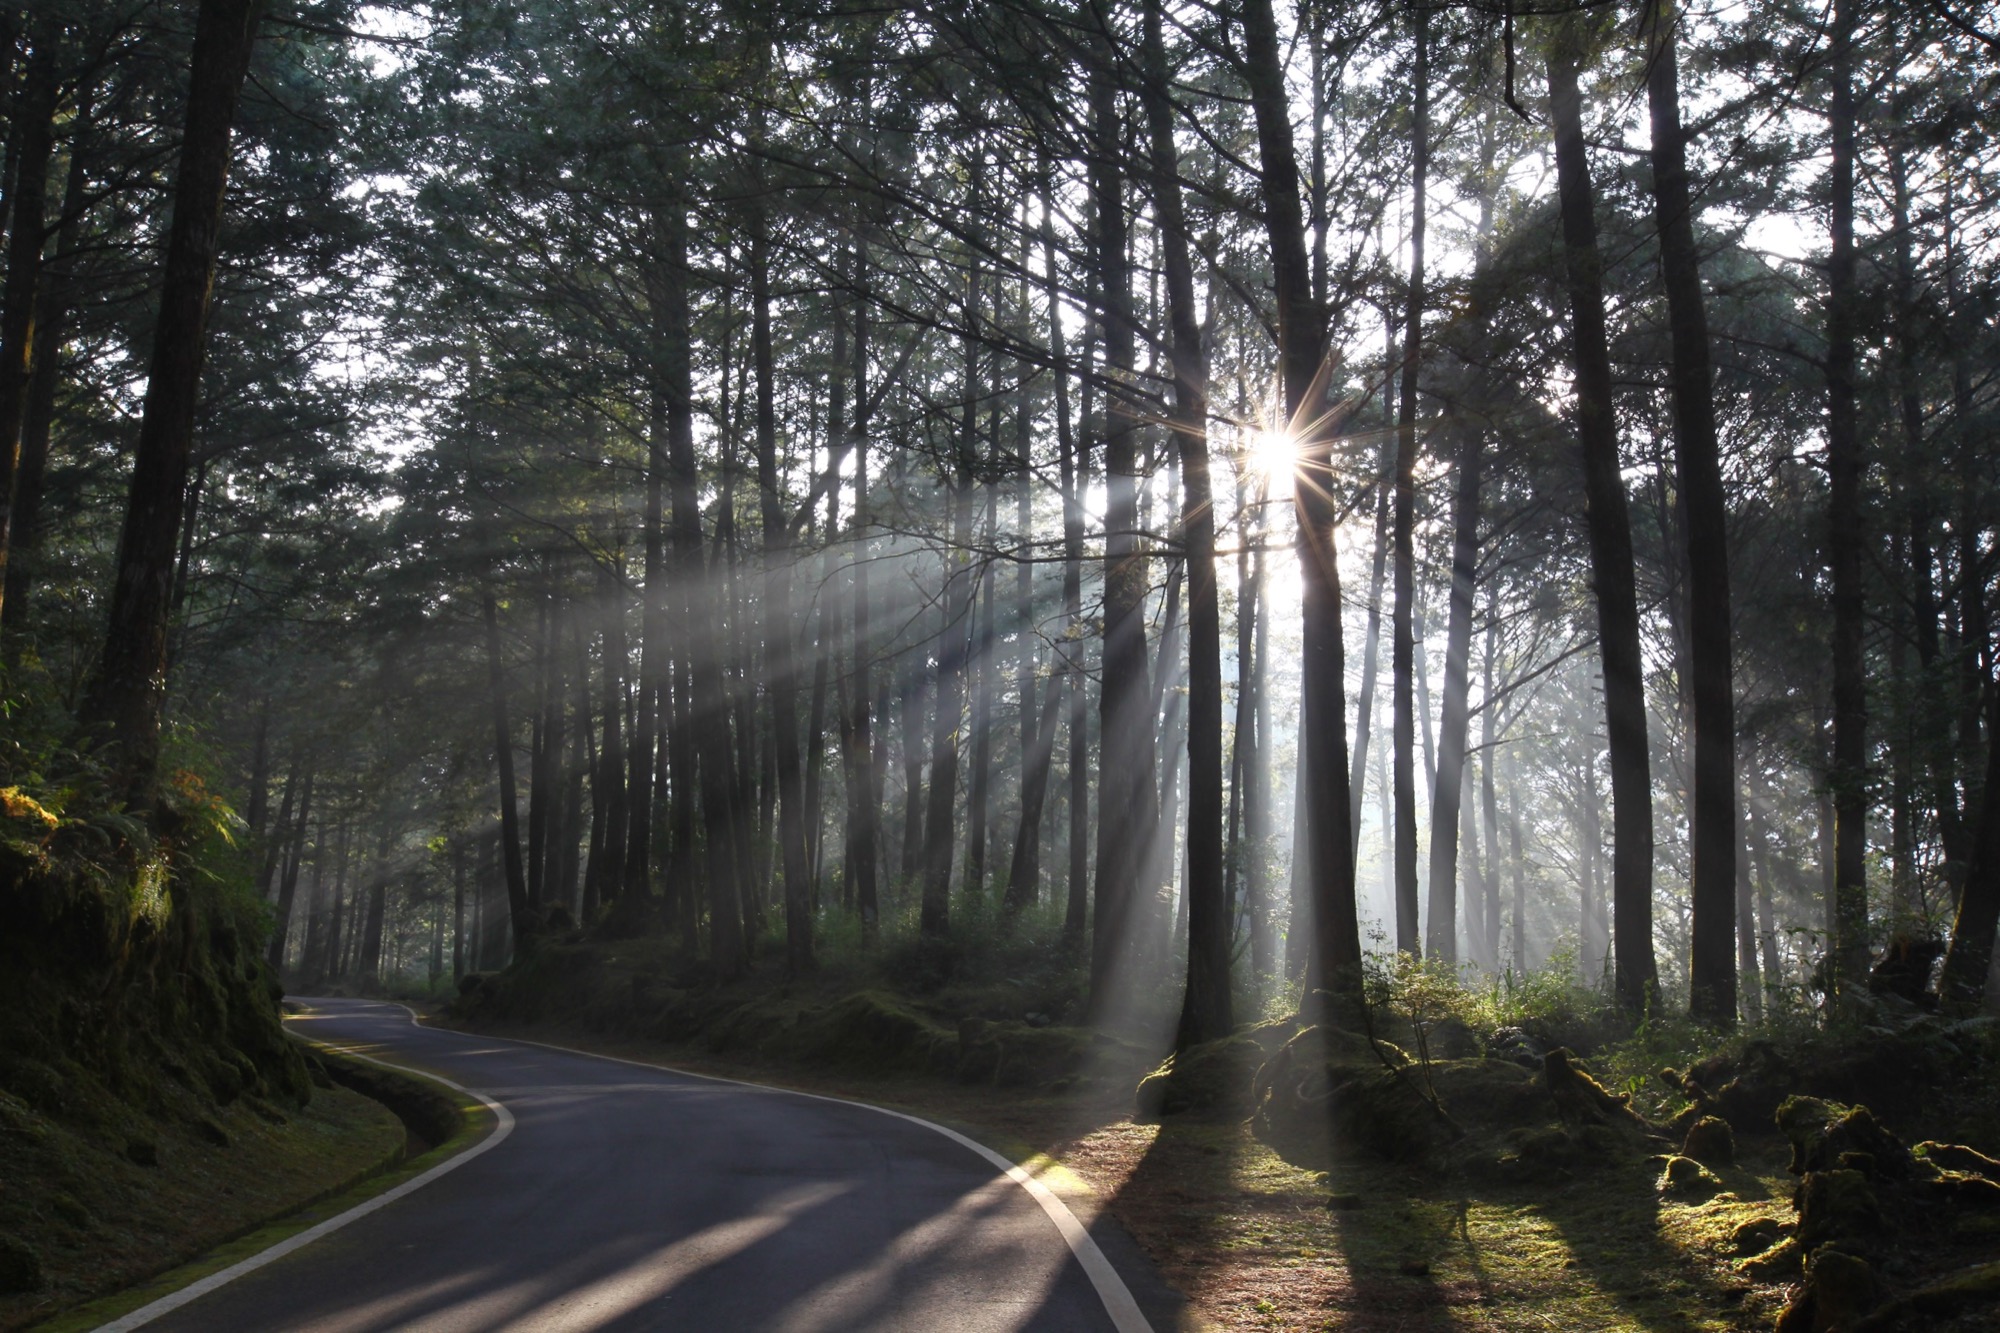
(1215, 1075)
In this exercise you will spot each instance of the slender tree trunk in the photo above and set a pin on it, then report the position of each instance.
(518, 907)
(288, 883)
(707, 694)
(939, 833)
(980, 674)
(368, 961)
(1448, 795)
(1970, 956)
(538, 760)
(1845, 543)
(127, 691)
(1489, 709)
(1698, 478)
(337, 930)
(274, 844)
(1371, 651)
(610, 788)
(1125, 788)
(1335, 967)
(780, 667)
(1404, 664)
(1610, 539)
(864, 786)
(1038, 717)
(457, 909)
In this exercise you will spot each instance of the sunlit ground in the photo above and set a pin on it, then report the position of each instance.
(1250, 1239)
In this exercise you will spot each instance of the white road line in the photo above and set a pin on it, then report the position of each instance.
(1118, 1301)
(194, 1291)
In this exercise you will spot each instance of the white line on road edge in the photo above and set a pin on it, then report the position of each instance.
(196, 1290)
(1125, 1314)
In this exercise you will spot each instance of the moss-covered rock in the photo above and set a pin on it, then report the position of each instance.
(1579, 1098)
(1756, 1235)
(1215, 1075)
(1686, 1177)
(1826, 1135)
(1711, 1142)
(1839, 1291)
(874, 1030)
(1836, 1205)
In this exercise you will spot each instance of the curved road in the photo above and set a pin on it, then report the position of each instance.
(628, 1197)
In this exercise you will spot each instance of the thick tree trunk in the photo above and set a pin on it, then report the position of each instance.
(1610, 539)
(21, 300)
(1447, 796)
(25, 525)
(1698, 477)
(127, 691)
(1335, 967)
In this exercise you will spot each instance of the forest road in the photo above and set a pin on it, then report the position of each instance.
(630, 1197)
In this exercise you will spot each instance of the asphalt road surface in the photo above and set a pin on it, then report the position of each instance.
(627, 1197)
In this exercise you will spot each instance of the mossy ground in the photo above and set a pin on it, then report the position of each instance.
(100, 1221)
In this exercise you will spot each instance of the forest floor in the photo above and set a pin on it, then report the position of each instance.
(1256, 1242)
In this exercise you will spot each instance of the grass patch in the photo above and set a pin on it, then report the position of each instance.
(217, 1207)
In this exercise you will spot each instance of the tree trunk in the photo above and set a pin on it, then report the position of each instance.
(1371, 651)
(518, 907)
(1845, 541)
(707, 697)
(1698, 477)
(1963, 982)
(1335, 967)
(940, 833)
(864, 787)
(275, 843)
(780, 666)
(288, 884)
(457, 909)
(127, 691)
(1125, 733)
(1610, 540)
(21, 302)
(1403, 666)
(368, 961)
(1448, 795)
